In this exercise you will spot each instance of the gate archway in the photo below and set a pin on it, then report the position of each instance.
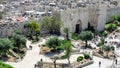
(78, 26)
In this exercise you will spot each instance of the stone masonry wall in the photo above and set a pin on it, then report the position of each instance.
(112, 11)
(7, 28)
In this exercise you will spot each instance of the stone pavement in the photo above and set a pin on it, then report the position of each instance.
(105, 63)
(33, 56)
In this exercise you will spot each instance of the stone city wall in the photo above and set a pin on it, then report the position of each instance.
(6, 29)
(112, 11)
(71, 17)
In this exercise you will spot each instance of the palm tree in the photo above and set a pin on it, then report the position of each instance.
(102, 43)
(68, 51)
(66, 30)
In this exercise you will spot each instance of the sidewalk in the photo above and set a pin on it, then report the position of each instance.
(105, 63)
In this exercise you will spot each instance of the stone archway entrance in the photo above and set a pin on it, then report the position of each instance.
(78, 27)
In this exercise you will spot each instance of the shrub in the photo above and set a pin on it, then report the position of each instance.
(116, 17)
(103, 33)
(86, 56)
(75, 36)
(53, 42)
(110, 27)
(112, 48)
(80, 58)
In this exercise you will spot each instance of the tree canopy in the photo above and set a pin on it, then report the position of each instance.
(32, 29)
(19, 40)
(68, 50)
(1, 15)
(52, 24)
(5, 45)
(52, 42)
(33, 26)
(86, 35)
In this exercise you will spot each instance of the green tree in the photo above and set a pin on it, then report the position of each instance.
(86, 36)
(18, 31)
(3, 65)
(107, 48)
(1, 15)
(52, 24)
(5, 45)
(68, 50)
(101, 44)
(19, 40)
(66, 30)
(53, 42)
(28, 30)
(33, 28)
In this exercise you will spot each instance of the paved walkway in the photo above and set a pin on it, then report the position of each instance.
(105, 63)
(32, 57)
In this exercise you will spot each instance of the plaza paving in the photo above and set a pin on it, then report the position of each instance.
(32, 56)
(105, 63)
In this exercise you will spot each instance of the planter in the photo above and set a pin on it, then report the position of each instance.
(84, 64)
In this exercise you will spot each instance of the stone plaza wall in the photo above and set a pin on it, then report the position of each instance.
(112, 11)
(6, 29)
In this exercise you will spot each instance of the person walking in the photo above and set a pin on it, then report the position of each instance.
(99, 63)
(35, 66)
(116, 61)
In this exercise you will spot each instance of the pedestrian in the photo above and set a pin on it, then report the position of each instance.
(30, 47)
(116, 61)
(41, 60)
(114, 56)
(99, 63)
(35, 66)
